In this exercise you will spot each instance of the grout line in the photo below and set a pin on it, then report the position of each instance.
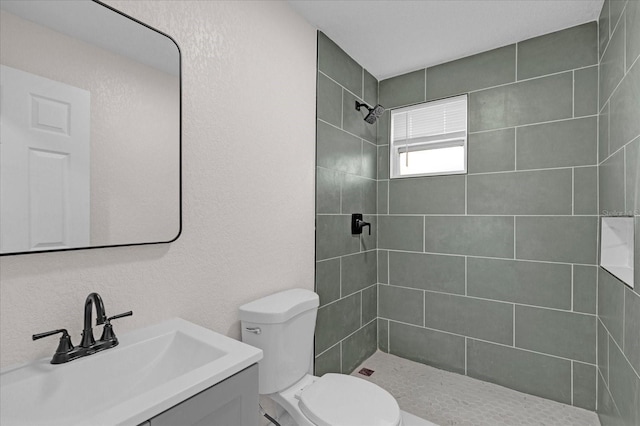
(342, 111)
(573, 190)
(622, 79)
(504, 302)
(340, 277)
(513, 343)
(515, 148)
(483, 257)
(571, 382)
(531, 78)
(534, 124)
(515, 231)
(347, 132)
(573, 93)
(516, 67)
(343, 88)
(466, 269)
(488, 341)
(466, 193)
(572, 287)
(609, 339)
(465, 355)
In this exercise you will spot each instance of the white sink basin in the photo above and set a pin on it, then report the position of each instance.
(150, 371)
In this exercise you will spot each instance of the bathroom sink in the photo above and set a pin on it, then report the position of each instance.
(150, 371)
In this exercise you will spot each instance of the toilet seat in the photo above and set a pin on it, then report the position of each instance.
(342, 400)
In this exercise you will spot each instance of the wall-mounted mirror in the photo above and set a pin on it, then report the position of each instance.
(90, 128)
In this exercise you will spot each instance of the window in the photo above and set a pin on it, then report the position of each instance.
(429, 138)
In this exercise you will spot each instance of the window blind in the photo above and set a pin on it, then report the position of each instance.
(433, 121)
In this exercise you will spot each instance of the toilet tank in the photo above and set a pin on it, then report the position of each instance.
(282, 325)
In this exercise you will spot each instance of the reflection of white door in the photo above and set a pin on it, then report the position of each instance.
(44, 163)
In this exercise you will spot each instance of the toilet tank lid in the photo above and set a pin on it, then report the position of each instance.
(279, 307)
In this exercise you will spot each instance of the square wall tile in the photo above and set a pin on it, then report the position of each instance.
(532, 101)
(427, 195)
(492, 151)
(370, 89)
(401, 304)
(584, 288)
(624, 386)
(611, 185)
(585, 190)
(603, 134)
(584, 386)
(632, 328)
(480, 71)
(383, 197)
(611, 304)
(338, 150)
(405, 89)
(585, 96)
(612, 66)
(530, 283)
(603, 25)
(328, 362)
(334, 237)
(632, 32)
(336, 321)
(401, 232)
(358, 271)
(574, 47)
(383, 264)
(427, 271)
(565, 334)
(632, 176)
(540, 192)
(334, 62)
(329, 101)
(603, 351)
(383, 335)
(559, 144)
(490, 236)
(328, 280)
(328, 190)
(358, 347)
(557, 239)
(536, 374)
(369, 304)
(482, 319)
(625, 110)
(440, 350)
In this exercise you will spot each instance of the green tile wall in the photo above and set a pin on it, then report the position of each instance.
(618, 306)
(493, 274)
(346, 182)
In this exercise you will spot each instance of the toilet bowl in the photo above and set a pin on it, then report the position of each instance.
(283, 325)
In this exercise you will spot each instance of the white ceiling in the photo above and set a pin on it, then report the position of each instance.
(389, 37)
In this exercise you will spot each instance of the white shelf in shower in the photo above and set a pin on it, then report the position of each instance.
(616, 247)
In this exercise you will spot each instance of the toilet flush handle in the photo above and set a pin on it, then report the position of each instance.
(254, 330)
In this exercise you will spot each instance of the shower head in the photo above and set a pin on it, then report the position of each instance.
(374, 113)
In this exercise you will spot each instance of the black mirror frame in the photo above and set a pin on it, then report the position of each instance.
(179, 154)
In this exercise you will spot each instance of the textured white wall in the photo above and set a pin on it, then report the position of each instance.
(248, 187)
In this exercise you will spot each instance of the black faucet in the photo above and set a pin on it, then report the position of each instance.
(101, 318)
(67, 352)
(357, 224)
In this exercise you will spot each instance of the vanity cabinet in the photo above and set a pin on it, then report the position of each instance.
(233, 401)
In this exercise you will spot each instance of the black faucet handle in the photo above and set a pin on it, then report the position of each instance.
(65, 344)
(122, 315)
(107, 331)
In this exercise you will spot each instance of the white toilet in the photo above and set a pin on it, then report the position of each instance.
(282, 325)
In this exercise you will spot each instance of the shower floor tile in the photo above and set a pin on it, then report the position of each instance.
(452, 399)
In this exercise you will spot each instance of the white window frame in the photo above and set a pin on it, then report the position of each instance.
(425, 143)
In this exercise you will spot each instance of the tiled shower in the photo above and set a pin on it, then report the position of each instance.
(493, 274)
